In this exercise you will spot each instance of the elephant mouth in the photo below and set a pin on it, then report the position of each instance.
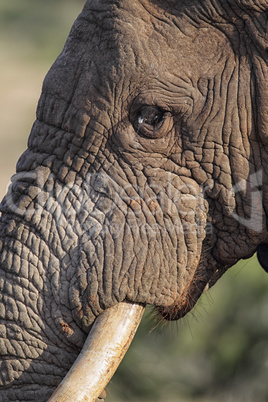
(110, 338)
(190, 295)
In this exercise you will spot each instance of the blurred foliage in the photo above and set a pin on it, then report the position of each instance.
(32, 34)
(218, 352)
(36, 28)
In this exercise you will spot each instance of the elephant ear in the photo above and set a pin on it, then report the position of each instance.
(250, 5)
(254, 14)
(262, 254)
(250, 19)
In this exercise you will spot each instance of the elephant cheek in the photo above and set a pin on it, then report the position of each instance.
(151, 258)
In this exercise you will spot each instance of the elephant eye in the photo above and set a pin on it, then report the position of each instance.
(151, 121)
(150, 115)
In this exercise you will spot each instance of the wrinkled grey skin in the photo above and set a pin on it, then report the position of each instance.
(144, 178)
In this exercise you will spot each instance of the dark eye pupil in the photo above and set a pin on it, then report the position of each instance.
(150, 115)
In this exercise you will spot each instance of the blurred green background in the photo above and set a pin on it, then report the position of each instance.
(219, 352)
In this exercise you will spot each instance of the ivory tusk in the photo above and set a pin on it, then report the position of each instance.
(105, 347)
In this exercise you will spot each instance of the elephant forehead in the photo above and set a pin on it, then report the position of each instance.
(138, 37)
(115, 47)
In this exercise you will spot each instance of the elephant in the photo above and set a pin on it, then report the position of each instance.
(144, 180)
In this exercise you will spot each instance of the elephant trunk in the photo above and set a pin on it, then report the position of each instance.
(102, 353)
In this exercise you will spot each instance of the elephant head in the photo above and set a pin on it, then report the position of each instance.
(144, 180)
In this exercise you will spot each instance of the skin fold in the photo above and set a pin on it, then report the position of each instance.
(144, 179)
